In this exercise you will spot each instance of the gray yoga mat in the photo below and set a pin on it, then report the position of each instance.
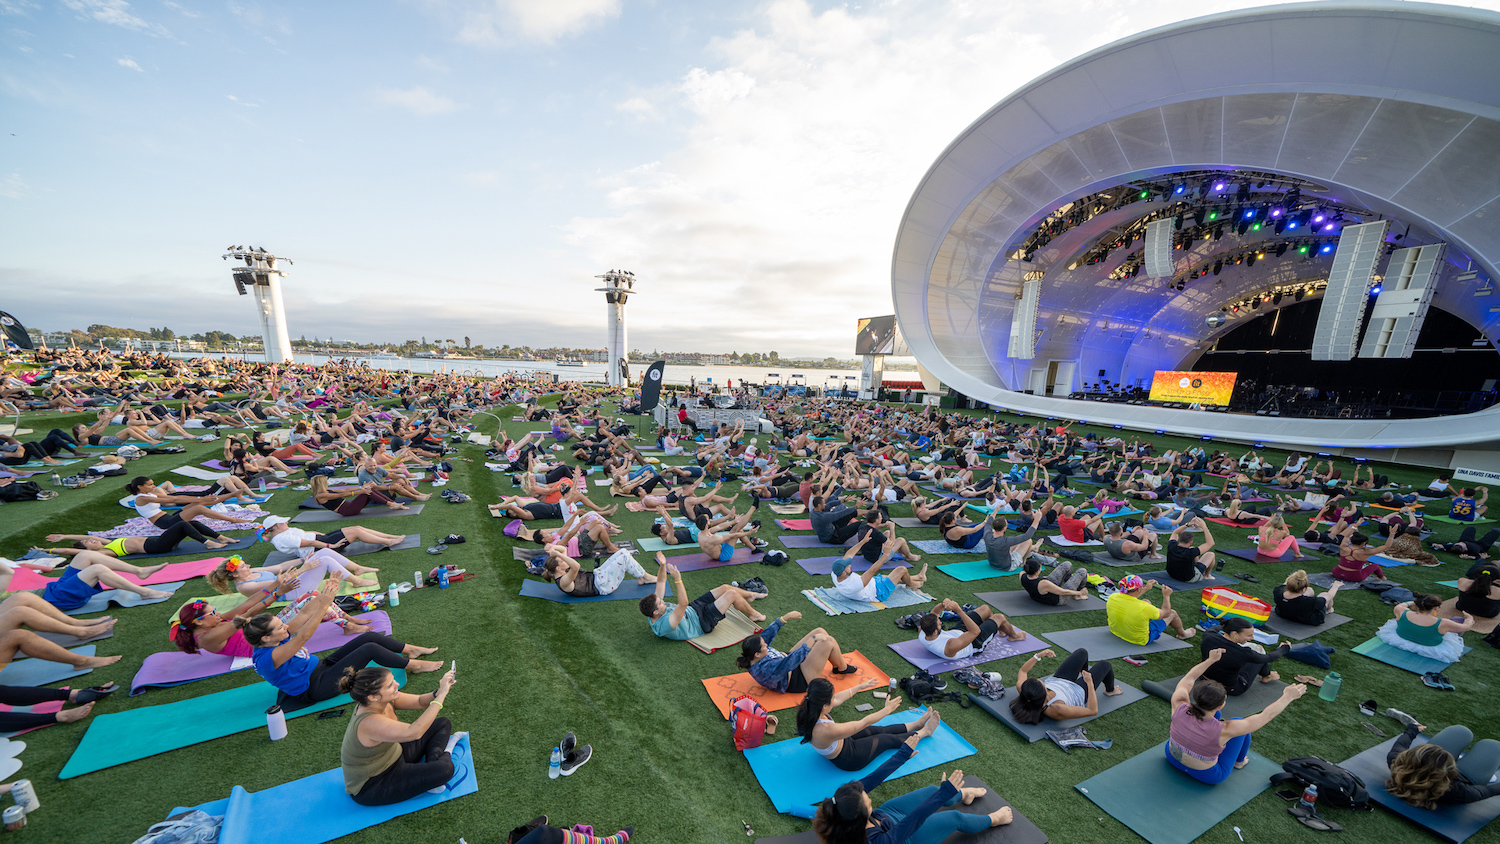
(1102, 644)
(911, 522)
(810, 542)
(67, 641)
(1165, 806)
(198, 549)
(1451, 823)
(1179, 586)
(1294, 630)
(354, 549)
(1036, 732)
(1019, 831)
(1016, 602)
(41, 672)
(374, 511)
(101, 600)
(1104, 559)
(1257, 697)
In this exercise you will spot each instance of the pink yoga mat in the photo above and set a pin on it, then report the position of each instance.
(26, 578)
(795, 524)
(173, 668)
(43, 708)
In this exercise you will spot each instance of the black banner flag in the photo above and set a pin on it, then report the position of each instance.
(651, 386)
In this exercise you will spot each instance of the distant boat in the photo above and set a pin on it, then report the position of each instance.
(384, 356)
(568, 362)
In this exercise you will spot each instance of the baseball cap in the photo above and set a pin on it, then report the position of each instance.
(841, 565)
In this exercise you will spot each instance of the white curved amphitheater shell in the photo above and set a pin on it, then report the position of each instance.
(1385, 110)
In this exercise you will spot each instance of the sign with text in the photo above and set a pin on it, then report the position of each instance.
(1188, 387)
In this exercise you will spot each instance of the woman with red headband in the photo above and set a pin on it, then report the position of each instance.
(199, 626)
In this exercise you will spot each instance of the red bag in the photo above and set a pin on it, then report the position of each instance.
(748, 718)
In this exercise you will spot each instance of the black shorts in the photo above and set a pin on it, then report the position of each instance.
(539, 510)
(333, 537)
(796, 682)
(708, 614)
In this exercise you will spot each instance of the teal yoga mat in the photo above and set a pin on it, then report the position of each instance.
(120, 737)
(973, 570)
(1451, 823)
(1164, 805)
(1405, 660)
(794, 776)
(315, 809)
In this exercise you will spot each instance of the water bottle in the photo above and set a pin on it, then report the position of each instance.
(393, 596)
(56, 479)
(418, 579)
(442, 577)
(554, 768)
(276, 723)
(1309, 796)
(1331, 684)
(262, 485)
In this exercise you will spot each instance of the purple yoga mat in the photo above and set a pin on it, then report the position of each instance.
(810, 542)
(695, 562)
(1254, 556)
(824, 565)
(998, 647)
(173, 668)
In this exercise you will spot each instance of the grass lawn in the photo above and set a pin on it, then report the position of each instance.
(663, 759)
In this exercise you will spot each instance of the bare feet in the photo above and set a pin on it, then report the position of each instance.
(92, 662)
(363, 583)
(99, 625)
(972, 794)
(1001, 817)
(396, 540)
(1242, 763)
(417, 650)
(354, 628)
(147, 571)
(215, 543)
(423, 666)
(1188, 634)
(155, 594)
(68, 716)
(1117, 691)
(1274, 675)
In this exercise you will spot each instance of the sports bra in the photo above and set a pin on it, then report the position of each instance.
(833, 749)
(116, 547)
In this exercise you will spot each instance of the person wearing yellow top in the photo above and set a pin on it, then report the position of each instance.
(1135, 620)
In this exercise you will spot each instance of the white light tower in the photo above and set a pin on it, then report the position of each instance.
(618, 285)
(261, 275)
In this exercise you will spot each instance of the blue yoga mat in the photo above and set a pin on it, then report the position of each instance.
(42, 672)
(628, 591)
(795, 777)
(101, 600)
(315, 809)
(1166, 806)
(1452, 823)
(1405, 660)
(973, 570)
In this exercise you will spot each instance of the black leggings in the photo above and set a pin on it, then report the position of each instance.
(1102, 672)
(425, 763)
(169, 520)
(27, 696)
(364, 649)
(173, 537)
(1472, 547)
(859, 749)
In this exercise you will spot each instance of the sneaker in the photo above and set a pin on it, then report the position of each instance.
(46, 495)
(1434, 680)
(1406, 720)
(568, 743)
(577, 759)
(1370, 707)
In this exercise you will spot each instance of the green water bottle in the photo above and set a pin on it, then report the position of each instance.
(1331, 684)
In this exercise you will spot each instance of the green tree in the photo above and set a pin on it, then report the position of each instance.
(466, 341)
(773, 357)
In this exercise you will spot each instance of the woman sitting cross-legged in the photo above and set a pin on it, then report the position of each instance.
(1440, 773)
(385, 759)
(850, 816)
(1068, 693)
(853, 745)
(302, 679)
(1417, 628)
(1203, 745)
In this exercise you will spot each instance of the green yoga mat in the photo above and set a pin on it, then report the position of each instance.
(652, 544)
(1446, 519)
(1375, 649)
(1166, 806)
(973, 570)
(121, 737)
(1449, 583)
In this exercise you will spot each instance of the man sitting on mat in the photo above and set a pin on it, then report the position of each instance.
(1068, 693)
(1464, 507)
(871, 586)
(1239, 664)
(1008, 552)
(1135, 620)
(791, 672)
(1200, 744)
(1065, 581)
(1079, 530)
(979, 626)
(1187, 562)
(689, 620)
(1133, 546)
(718, 544)
(833, 525)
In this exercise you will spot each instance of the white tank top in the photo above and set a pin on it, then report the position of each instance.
(833, 749)
(937, 645)
(148, 509)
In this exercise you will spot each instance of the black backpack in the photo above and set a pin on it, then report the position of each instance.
(1336, 786)
(922, 687)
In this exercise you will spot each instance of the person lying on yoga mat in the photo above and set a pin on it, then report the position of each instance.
(979, 626)
(691, 619)
(352, 501)
(870, 585)
(18, 696)
(1296, 600)
(92, 571)
(1187, 562)
(1239, 664)
(1134, 545)
(1469, 548)
(851, 817)
(606, 577)
(149, 503)
(1440, 772)
(201, 627)
(1064, 581)
(27, 609)
(305, 543)
(1068, 693)
(1135, 620)
(1417, 628)
(236, 575)
(386, 760)
(281, 660)
(13, 452)
(796, 671)
(853, 745)
(1200, 744)
(125, 546)
(94, 434)
(1354, 559)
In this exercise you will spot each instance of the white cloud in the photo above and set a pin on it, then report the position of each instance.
(185, 12)
(237, 101)
(419, 100)
(130, 63)
(429, 63)
(16, 7)
(638, 106)
(13, 186)
(545, 21)
(115, 13)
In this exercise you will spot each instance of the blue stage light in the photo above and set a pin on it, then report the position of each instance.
(1180, 189)
(1249, 214)
(1375, 291)
(1327, 248)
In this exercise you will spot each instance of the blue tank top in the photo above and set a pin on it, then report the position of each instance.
(292, 676)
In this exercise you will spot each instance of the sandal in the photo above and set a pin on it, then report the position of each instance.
(1309, 680)
(94, 693)
(1309, 818)
(1249, 578)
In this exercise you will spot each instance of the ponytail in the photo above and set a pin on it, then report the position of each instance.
(256, 629)
(819, 695)
(748, 649)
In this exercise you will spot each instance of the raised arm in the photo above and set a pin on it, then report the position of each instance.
(1185, 685)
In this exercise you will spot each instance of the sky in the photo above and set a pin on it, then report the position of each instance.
(464, 168)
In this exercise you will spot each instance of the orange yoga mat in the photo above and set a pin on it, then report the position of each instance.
(723, 689)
